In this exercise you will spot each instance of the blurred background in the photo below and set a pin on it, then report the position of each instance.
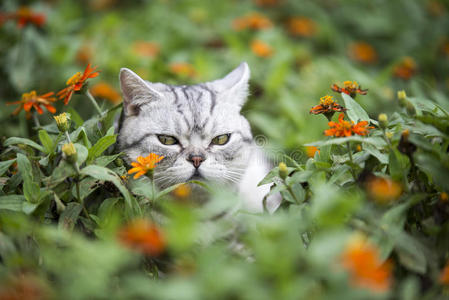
(295, 49)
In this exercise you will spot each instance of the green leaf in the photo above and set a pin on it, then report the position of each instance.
(102, 173)
(69, 216)
(106, 160)
(18, 140)
(375, 141)
(82, 153)
(75, 117)
(46, 141)
(398, 165)
(355, 112)
(4, 165)
(411, 253)
(31, 189)
(101, 146)
(12, 202)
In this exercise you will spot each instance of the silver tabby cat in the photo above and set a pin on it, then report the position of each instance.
(199, 130)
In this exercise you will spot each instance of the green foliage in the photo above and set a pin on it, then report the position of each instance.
(63, 223)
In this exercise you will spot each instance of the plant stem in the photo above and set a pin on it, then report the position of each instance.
(78, 194)
(36, 120)
(68, 136)
(94, 102)
(351, 160)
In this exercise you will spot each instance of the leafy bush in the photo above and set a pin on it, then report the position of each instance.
(365, 210)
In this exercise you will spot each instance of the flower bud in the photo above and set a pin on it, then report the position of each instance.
(383, 121)
(283, 171)
(389, 135)
(69, 152)
(63, 122)
(410, 108)
(402, 97)
(358, 148)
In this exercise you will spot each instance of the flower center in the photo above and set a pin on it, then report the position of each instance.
(74, 79)
(27, 97)
(326, 100)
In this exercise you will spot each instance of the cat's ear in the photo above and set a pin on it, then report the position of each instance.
(136, 92)
(234, 86)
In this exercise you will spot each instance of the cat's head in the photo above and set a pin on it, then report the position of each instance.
(197, 128)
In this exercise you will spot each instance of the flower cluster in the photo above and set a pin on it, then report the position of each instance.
(350, 88)
(75, 84)
(344, 128)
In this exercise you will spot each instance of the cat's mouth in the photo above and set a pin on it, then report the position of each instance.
(196, 175)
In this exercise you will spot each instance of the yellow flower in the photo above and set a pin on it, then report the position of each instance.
(182, 191)
(69, 151)
(62, 121)
(283, 170)
(144, 164)
(444, 198)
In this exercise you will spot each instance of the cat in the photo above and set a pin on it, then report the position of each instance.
(200, 132)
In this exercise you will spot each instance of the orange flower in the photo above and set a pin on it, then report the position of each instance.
(444, 197)
(362, 52)
(31, 99)
(327, 107)
(23, 16)
(146, 49)
(254, 21)
(350, 88)
(444, 276)
(361, 128)
(344, 128)
(105, 91)
(76, 83)
(311, 150)
(144, 164)
(143, 236)
(405, 69)
(84, 54)
(383, 190)
(301, 26)
(182, 69)
(261, 49)
(182, 191)
(363, 263)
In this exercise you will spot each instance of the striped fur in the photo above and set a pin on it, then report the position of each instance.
(194, 115)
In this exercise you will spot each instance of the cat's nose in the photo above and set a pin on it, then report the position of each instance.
(196, 159)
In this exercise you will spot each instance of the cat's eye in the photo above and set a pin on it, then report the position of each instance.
(167, 140)
(221, 139)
